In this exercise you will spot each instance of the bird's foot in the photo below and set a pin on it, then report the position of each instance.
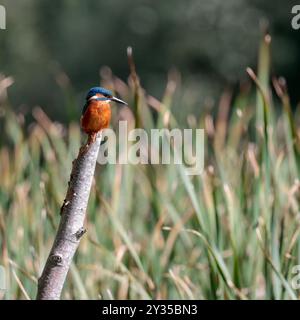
(92, 138)
(84, 149)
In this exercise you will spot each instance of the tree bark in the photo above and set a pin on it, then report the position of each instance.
(71, 227)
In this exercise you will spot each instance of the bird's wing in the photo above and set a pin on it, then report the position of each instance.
(84, 108)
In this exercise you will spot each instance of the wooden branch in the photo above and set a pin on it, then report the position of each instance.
(71, 227)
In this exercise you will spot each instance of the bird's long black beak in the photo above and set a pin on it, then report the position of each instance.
(118, 100)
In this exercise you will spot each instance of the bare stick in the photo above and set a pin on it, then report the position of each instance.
(71, 227)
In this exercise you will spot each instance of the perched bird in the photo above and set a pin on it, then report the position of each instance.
(96, 113)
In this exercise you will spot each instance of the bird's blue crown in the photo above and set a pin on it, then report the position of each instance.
(95, 90)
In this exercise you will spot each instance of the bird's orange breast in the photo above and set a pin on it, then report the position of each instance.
(96, 117)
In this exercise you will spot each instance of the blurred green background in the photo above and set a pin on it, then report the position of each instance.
(232, 232)
(209, 42)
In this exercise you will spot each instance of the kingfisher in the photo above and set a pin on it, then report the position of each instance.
(96, 113)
